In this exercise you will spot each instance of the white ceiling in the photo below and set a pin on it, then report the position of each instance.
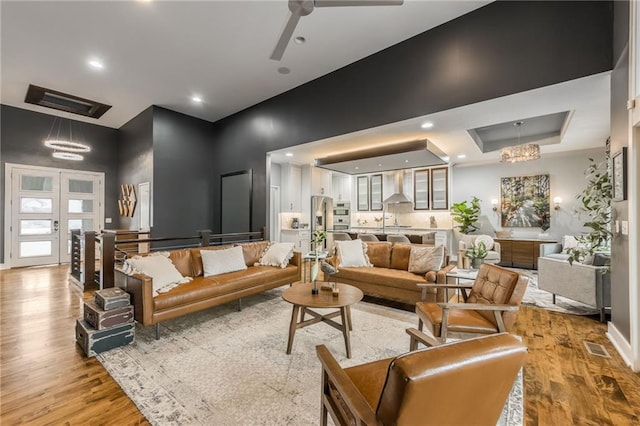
(163, 52)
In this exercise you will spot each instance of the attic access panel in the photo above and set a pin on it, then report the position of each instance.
(54, 99)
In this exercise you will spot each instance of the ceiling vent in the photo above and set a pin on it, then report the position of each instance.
(64, 102)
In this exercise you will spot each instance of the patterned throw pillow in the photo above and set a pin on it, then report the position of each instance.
(486, 239)
(278, 254)
(425, 259)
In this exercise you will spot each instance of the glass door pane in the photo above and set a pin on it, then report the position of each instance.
(376, 192)
(34, 216)
(421, 189)
(439, 189)
(363, 193)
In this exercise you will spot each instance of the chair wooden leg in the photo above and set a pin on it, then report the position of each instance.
(444, 325)
(420, 324)
(157, 329)
(239, 305)
(323, 407)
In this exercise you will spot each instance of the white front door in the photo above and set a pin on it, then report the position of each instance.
(45, 204)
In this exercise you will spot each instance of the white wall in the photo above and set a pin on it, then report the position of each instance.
(567, 179)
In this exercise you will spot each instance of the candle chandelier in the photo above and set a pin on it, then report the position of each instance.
(520, 152)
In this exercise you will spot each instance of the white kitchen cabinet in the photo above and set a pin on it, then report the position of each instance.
(290, 188)
(321, 182)
(300, 237)
(341, 188)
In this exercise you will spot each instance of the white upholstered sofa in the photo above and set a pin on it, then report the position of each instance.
(588, 284)
(468, 241)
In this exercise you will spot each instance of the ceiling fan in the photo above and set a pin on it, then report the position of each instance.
(301, 8)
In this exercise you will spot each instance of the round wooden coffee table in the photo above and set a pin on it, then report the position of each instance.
(300, 296)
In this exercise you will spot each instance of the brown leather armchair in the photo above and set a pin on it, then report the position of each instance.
(425, 387)
(490, 307)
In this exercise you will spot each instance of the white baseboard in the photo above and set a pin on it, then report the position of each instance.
(620, 343)
(4, 266)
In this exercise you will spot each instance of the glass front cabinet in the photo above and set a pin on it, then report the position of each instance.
(431, 189)
(363, 193)
(376, 192)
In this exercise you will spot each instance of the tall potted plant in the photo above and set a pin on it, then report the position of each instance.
(466, 215)
(595, 201)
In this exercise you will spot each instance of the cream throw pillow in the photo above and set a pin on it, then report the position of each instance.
(160, 268)
(425, 259)
(278, 254)
(352, 254)
(216, 262)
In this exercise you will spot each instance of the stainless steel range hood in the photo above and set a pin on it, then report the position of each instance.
(398, 196)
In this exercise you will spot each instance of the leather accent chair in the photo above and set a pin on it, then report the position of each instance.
(490, 307)
(425, 387)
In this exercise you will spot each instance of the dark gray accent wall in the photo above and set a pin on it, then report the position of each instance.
(136, 160)
(23, 132)
(182, 174)
(620, 308)
(497, 50)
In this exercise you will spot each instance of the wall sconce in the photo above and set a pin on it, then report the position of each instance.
(557, 201)
(494, 204)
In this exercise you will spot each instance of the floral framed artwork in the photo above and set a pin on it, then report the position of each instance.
(525, 202)
(619, 175)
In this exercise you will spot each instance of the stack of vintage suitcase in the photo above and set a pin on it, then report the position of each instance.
(107, 323)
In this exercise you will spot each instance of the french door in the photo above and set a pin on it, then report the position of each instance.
(45, 205)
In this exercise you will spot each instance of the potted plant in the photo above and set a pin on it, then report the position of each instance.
(595, 202)
(477, 253)
(466, 215)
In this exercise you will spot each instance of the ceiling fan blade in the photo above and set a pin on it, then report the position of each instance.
(335, 3)
(285, 36)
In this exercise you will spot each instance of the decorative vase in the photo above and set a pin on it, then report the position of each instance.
(314, 276)
(476, 262)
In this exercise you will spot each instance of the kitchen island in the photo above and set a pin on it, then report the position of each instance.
(442, 236)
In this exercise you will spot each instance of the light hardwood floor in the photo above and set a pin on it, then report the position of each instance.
(45, 378)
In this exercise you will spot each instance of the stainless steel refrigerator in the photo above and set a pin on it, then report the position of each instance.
(321, 214)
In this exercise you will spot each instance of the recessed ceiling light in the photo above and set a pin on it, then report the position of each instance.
(197, 99)
(379, 164)
(406, 161)
(299, 40)
(96, 64)
(357, 168)
(427, 125)
(289, 154)
(462, 155)
(284, 70)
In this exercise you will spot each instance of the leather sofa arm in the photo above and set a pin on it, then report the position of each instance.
(296, 260)
(140, 287)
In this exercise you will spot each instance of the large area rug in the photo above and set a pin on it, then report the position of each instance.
(223, 367)
(543, 299)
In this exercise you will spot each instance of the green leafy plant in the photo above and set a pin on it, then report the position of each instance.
(478, 251)
(466, 215)
(318, 238)
(595, 201)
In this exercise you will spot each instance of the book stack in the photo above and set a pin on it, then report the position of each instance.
(107, 322)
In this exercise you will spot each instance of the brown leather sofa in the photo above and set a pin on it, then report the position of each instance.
(204, 292)
(389, 278)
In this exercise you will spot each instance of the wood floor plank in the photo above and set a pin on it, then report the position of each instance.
(46, 379)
